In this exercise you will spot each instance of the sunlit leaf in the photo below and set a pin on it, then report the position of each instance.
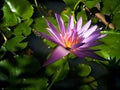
(91, 3)
(41, 25)
(116, 19)
(20, 7)
(110, 46)
(109, 6)
(15, 44)
(9, 18)
(28, 22)
(22, 28)
(83, 15)
(83, 70)
(7, 32)
(65, 14)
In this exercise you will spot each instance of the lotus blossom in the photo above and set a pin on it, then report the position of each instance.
(76, 39)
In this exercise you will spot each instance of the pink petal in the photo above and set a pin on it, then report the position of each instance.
(85, 27)
(101, 36)
(79, 24)
(91, 38)
(90, 44)
(90, 31)
(94, 36)
(87, 53)
(57, 54)
(79, 53)
(53, 30)
(77, 45)
(54, 35)
(49, 38)
(71, 22)
(60, 24)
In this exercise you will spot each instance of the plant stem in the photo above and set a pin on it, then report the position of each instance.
(36, 4)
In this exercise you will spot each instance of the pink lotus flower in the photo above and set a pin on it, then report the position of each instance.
(76, 39)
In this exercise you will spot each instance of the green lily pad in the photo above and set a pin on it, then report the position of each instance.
(20, 7)
(83, 70)
(91, 3)
(22, 28)
(9, 18)
(15, 44)
(111, 47)
(71, 3)
(85, 87)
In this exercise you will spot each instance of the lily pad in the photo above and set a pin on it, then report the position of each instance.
(20, 7)
(111, 47)
(83, 70)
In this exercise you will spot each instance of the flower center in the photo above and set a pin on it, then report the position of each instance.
(68, 44)
(71, 39)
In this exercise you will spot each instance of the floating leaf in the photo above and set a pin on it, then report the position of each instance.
(9, 18)
(57, 70)
(36, 84)
(109, 6)
(15, 43)
(85, 87)
(20, 7)
(91, 3)
(71, 3)
(91, 82)
(2, 51)
(83, 70)
(41, 25)
(28, 63)
(3, 76)
(14, 71)
(116, 19)
(22, 28)
(110, 48)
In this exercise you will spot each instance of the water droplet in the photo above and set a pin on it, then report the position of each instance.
(43, 16)
(2, 89)
(48, 46)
